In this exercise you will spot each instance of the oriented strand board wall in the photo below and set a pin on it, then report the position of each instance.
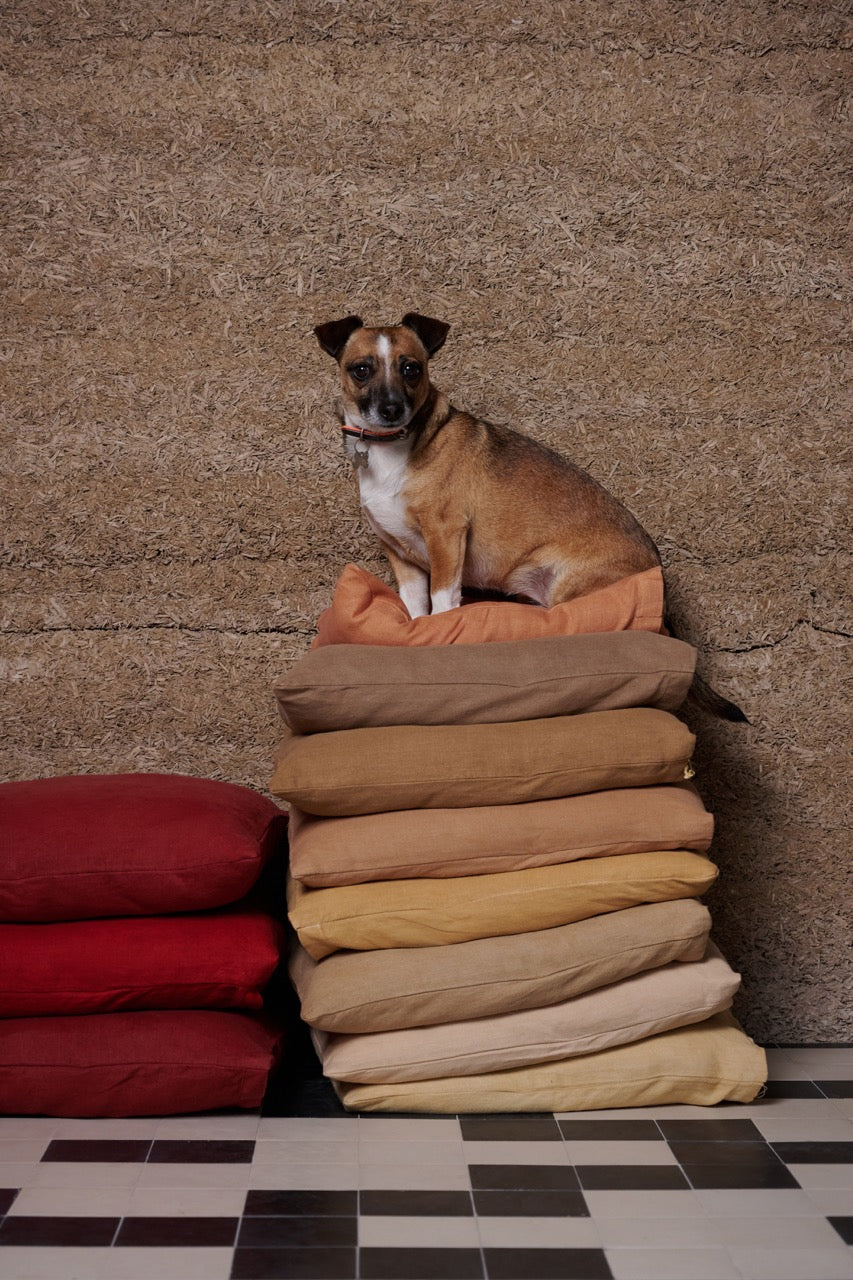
(635, 217)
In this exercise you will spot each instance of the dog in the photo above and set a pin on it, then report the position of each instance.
(458, 502)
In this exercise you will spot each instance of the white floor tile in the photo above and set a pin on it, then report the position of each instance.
(781, 1202)
(790, 1264)
(71, 1202)
(423, 1153)
(302, 1152)
(539, 1233)
(414, 1177)
(418, 1233)
(622, 1153)
(301, 1177)
(672, 1264)
(515, 1153)
(644, 1204)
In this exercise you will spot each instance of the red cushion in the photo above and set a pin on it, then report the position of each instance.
(135, 1064)
(129, 844)
(215, 960)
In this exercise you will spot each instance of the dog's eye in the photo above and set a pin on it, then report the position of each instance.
(411, 371)
(361, 372)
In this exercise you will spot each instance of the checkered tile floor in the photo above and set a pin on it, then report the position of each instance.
(763, 1192)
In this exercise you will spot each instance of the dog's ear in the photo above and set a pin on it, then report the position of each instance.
(333, 335)
(432, 333)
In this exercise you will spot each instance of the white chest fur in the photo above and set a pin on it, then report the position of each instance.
(381, 485)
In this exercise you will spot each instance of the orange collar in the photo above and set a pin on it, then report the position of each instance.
(363, 434)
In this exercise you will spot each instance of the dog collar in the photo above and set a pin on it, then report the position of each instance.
(363, 434)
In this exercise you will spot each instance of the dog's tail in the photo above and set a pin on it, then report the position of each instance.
(702, 695)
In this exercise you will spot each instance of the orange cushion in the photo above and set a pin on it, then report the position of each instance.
(365, 610)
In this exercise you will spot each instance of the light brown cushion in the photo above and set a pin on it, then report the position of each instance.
(423, 913)
(675, 995)
(435, 766)
(709, 1062)
(507, 837)
(363, 991)
(365, 610)
(364, 686)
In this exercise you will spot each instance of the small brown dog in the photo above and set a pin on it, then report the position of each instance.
(458, 502)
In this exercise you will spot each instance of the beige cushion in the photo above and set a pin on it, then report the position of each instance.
(709, 1062)
(423, 913)
(489, 838)
(363, 686)
(365, 610)
(675, 995)
(365, 991)
(435, 766)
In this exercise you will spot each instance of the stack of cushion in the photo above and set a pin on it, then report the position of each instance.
(496, 858)
(134, 947)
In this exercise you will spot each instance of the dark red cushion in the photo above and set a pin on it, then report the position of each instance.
(214, 960)
(135, 1064)
(129, 844)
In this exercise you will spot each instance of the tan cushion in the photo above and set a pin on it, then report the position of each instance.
(423, 913)
(508, 837)
(675, 995)
(364, 686)
(365, 610)
(362, 991)
(709, 1062)
(435, 766)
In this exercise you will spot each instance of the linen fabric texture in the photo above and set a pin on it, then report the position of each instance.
(96, 845)
(477, 840)
(700, 1065)
(213, 960)
(369, 686)
(675, 995)
(423, 913)
(355, 771)
(145, 1063)
(365, 610)
(371, 991)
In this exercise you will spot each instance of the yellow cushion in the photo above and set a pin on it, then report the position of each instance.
(712, 1061)
(424, 913)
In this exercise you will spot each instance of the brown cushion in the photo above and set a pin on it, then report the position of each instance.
(433, 766)
(709, 1062)
(508, 837)
(364, 686)
(423, 913)
(365, 610)
(675, 995)
(363, 991)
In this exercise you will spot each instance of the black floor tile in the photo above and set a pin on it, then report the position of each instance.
(294, 1264)
(420, 1264)
(814, 1152)
(835, 1088)
(524, 1177)
(844, 1227)
(201, 1151)
(710, 1131)
(792, 1089)
(735, 1155)
(628, 1177)
(546, 1264)
(523, 1128)
(109, 1150)
(7, 1198)
(281, 1204)
(280, 1233)
(203, 1232)
(447, 1204)
(610, 1130)
(763, 1176)
(58, 1231)
(530, 1204)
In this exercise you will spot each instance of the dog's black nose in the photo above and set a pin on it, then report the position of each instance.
(391, 409)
